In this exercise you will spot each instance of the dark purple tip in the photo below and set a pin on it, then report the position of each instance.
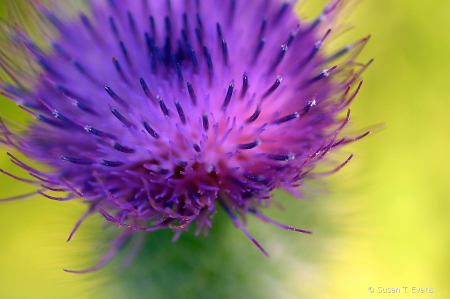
(194, 59)
(219, 32)
(232, 12)
(244, 85)
(225, 52)
(263, 27)
(153, 63)
(168, 26)
(205, 122)
(196, 147)
(84, 107)
(185, 22)
(111, 163)
(62, 118)
(121, 148)
(307, 107)
(258, 49)
(47, 120)
(227, 100)
(198, 34)
(117, 64)
(125, 52)
(209, 63)
(287, 118)
(131, 21)
(249, 145)
(159, 55)
(114, 96)
(179, 75)
(153, 26)
(282, 11)
(163, 107)
(146, 89)
(253, 178)
(199, 22)
(85, 21)
(254, 115)
(150, 42)
(184, 35)
(192, 93)
(280, 157)
(149, 129)
(291, 37)
(120, 117)
(98, 132)
(79, 66)
(314, 51)
(112, 24)
(322, 75)
(80, 161)
(180, 112)
(280, 57)
(272, 88)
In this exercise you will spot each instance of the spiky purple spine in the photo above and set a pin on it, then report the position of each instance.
(154, 112)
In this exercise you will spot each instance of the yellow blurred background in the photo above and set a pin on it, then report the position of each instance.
(385, 220)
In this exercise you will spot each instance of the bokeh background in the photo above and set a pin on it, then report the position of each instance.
(385, 221)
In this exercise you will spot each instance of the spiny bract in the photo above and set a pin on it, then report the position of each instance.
(155, 112)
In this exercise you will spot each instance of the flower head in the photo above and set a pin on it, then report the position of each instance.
(156, 112)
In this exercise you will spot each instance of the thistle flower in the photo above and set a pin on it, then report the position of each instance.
(157, 112)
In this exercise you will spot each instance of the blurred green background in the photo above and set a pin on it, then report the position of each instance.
(384, 223)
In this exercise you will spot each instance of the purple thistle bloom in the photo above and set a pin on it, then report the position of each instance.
(156, 112)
